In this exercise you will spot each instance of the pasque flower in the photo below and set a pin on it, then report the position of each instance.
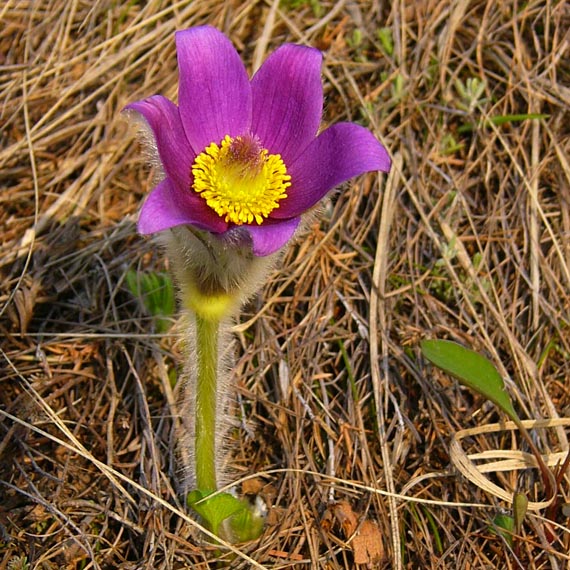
(242, 158)
(242, 162)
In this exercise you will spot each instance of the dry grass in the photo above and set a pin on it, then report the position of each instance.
(469, 239)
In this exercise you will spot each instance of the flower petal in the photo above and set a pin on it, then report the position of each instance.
(214, 93)
(167, 207)
(337, 154)
(270, 237)
(175, 153)
(288, 100)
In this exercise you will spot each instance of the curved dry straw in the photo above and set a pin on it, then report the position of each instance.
(508, 460)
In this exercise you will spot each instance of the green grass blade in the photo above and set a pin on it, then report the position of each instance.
(501, 120)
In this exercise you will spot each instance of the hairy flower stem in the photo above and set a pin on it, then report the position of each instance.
(206, 399)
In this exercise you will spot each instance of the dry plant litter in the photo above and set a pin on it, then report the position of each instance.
(345, 430)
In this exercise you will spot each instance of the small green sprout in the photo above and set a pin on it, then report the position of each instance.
(315, 5)
(156, 292)
(504, 525)
(449, 145)
(398, 87)
(387, 40)
(470, 93)
(356, 39)
(18, 563)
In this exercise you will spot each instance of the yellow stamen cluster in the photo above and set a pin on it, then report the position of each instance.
(240, 180)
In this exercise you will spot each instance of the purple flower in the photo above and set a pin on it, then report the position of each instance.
(244, 155)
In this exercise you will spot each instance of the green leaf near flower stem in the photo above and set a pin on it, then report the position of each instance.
(472, 370)
(215, 510)
(156, 292)
(245, 524)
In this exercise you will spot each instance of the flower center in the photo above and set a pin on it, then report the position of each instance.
(240, 180)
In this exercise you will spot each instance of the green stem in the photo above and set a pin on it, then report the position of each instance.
(206, 398)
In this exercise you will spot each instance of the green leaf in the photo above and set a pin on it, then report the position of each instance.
(505, 526)
(245, 523)
(386, 39)
(156, 292)
(472, 370)
(215, 510)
